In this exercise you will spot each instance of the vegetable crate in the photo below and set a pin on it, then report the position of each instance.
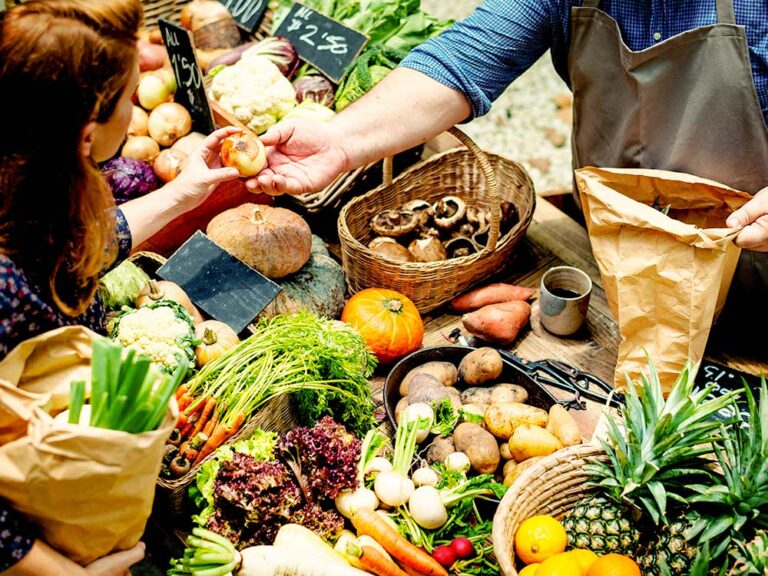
(551, 486)
(276, 415)
(454, 172)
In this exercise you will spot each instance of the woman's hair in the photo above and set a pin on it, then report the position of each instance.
(63, 64)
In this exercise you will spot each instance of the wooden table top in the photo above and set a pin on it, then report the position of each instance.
(555, 239)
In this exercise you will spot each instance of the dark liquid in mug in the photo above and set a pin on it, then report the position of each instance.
(563, 293)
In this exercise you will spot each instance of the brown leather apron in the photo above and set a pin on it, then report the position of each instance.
(686, 104)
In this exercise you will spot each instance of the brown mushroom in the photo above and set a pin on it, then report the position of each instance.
(422, 208)
(509, 216)
(390, 249)
(427, 250)
(460, 247)
(478, 217)
(449, 211)
(394, 223)
(464, 230)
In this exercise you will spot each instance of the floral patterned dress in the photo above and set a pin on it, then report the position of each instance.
(26, 309)
(16, 537)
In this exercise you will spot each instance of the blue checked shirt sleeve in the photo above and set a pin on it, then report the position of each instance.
(483, 54)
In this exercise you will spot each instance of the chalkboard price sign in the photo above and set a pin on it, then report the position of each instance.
(724, 380)
(247, 13)
(327, 45)
(190, 90)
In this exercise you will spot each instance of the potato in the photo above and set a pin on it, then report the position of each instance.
(479, 445)
(509, 465)
(455, 397)
(477, 395)
(401, 405)
(529, 441)
(444, 372)
(428, 394)
(480, 366)
(563, 426)
(474, 410)
(502, 419)
(504, 450)
(418, 380)
(439, 449)
(521, 467)
(508, 393)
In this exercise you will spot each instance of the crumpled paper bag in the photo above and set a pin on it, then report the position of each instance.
(666, 277)
(89, 490)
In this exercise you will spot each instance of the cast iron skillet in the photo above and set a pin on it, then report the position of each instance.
(533, 376)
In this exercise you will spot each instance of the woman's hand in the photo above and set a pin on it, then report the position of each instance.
(302, 156)
(754, 217)
(203, 171)
(117, 563)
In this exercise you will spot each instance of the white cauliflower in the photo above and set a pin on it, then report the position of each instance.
(159, 331)
(254, 91)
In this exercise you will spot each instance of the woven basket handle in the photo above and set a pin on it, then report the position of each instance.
(490, 182)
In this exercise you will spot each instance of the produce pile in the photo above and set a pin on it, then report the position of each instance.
(679, 491)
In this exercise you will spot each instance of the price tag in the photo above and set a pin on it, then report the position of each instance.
(724, 380)
(223, 286)
(190, 90)
(247, 13)
(327, 45)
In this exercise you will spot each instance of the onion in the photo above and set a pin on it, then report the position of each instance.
(189, 143)
(168, 122)
(141, 148)
(138, 125)
(155, 88)
(169, 163)
(151, 56)
(164, 290)
(245, 152)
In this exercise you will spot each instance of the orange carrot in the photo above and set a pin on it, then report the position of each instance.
(366, 521)
(181, 390)
(491, 294)
(210, 426)
(411, 571)
(191, 448)
(374, 561)
(184, 401)
(186, 431)
(220, 434)
(210, 404)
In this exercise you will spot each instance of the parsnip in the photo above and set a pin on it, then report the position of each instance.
(291, 561)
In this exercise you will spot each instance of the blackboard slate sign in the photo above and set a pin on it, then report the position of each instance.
(327, 45)
(190, 90)
(220, 284)
(724, 380)
(247, 13)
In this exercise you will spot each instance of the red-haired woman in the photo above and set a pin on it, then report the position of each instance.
(68, 69)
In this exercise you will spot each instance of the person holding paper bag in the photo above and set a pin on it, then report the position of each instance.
(668, 85)
(68, 69)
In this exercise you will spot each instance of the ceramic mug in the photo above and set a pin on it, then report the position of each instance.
(564, 299)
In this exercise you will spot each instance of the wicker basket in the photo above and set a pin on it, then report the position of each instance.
(551, 486)
(276, 415)
(455, 172)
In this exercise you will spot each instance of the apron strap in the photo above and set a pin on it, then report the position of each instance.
(725, 12)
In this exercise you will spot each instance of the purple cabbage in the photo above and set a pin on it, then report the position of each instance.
(129, 178)
(280, 51)
(314, 88)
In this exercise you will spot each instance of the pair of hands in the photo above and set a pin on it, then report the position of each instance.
(117, 563)
(306, 156)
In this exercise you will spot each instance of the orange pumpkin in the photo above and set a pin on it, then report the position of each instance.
(388, 321)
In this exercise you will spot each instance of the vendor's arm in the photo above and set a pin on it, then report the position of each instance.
(203, 172)
(42, 559)
(754, 217)
(445, 81)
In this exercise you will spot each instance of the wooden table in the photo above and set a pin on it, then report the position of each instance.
(554, 239)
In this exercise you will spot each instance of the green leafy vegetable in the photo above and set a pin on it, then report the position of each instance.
(121, 286)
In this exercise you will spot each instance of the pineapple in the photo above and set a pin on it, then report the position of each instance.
(752, 558)
(669, 552)
(655, 454)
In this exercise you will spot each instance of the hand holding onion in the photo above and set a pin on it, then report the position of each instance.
(245, 152)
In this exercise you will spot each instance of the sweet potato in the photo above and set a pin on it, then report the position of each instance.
(498, 323)
(491, 294)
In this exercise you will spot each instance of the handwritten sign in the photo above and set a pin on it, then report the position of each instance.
(247, 13)
(223, 286)
(725, 380)
(190, 90)
(329, 46)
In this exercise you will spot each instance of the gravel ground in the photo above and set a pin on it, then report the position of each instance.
(531, 120)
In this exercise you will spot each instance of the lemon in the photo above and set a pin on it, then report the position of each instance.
(538, 538)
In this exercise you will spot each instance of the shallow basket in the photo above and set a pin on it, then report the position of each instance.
(551, 486)
(482, 179)
(276, 415)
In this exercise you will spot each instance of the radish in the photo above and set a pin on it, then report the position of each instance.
(350, 501)
(378, 464)
(463, 547)
(444, 555)
(457, 462)
(419, 411)
(425, 476)
(394, 487)
(426, 507)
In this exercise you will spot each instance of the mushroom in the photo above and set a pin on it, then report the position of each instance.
(509, 216)
(459, 247)
(422, 208)
(449, 210)
(465, 230)
(394, 222)
(427, 250)
(478, 217)
(390, 249)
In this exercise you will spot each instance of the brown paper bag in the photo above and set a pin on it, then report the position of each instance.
(665, 276)
(90, 490)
